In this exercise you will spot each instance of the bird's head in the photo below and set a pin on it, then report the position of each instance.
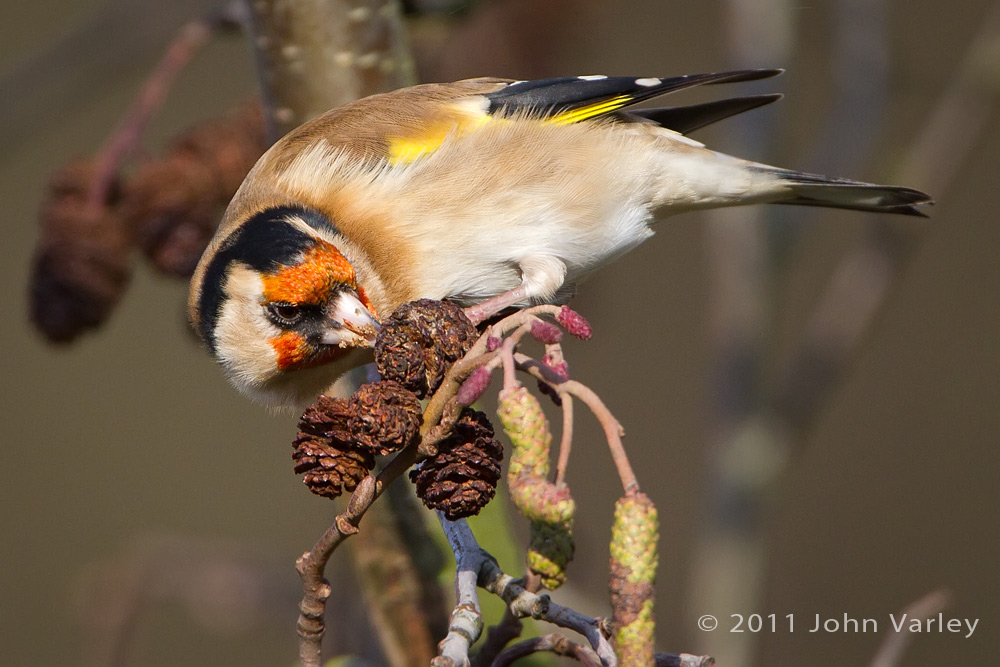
(280, 306)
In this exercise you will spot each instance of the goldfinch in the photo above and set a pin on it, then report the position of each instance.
(489, 192)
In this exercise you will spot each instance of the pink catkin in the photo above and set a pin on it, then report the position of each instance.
(545, 332)
(474, 386)
(574, 323)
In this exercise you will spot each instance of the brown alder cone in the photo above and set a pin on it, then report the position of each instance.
(420, 341)
(339, 438)
(174, 204)
(90, 222)
(328, 467)
(462, 477)
(81, 265)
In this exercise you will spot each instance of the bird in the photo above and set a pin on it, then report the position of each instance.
(492, 193)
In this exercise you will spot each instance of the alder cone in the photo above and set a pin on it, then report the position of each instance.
(420, 341)
(328, 418)
(462, 477)
(82, 263)
(339, 438)
(385, 417)
(380, 417)
(328, 469)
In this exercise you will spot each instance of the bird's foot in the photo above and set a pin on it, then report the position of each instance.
(486, 309)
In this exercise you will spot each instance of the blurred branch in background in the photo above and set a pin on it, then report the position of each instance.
(95, 217)
(759, 431)
(313, 55)
(729, 547)
(960, 116)
(866, 274)
(890, 652)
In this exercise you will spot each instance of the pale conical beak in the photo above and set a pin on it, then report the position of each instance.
(351, 323)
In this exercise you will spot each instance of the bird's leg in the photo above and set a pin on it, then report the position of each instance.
(487, 309)
(541, 278)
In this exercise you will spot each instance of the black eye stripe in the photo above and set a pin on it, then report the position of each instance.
(265, 242)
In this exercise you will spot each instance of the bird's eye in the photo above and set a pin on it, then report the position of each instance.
(285, 314)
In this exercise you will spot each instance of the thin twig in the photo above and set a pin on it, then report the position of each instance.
(553, 643)
(540, 607)
(310, 566)
(527, 315)
(612, 428)
(125, 138)
(566, 439)
(477, 356)
(507, 354)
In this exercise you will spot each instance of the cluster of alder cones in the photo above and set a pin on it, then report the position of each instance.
(339, 438)
(95, 218)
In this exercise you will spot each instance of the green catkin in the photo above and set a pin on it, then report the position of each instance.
(548, 507)
(634, 559)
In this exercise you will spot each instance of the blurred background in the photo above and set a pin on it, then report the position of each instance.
(812, 397)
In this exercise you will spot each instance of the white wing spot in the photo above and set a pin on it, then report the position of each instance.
(648, 82)
(593, 77)
(514, 83)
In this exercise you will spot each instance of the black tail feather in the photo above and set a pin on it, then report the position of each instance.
(816, 190)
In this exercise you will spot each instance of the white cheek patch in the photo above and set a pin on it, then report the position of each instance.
(648, 82)
(593, 77)
(242, 331)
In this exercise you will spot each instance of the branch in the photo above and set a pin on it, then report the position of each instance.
(313, 55)
(890, 652)
(475, 566)
(612, 428)
(507, 630)
(310, 566)
(467, 618)
(521, 602)
(554, 643)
